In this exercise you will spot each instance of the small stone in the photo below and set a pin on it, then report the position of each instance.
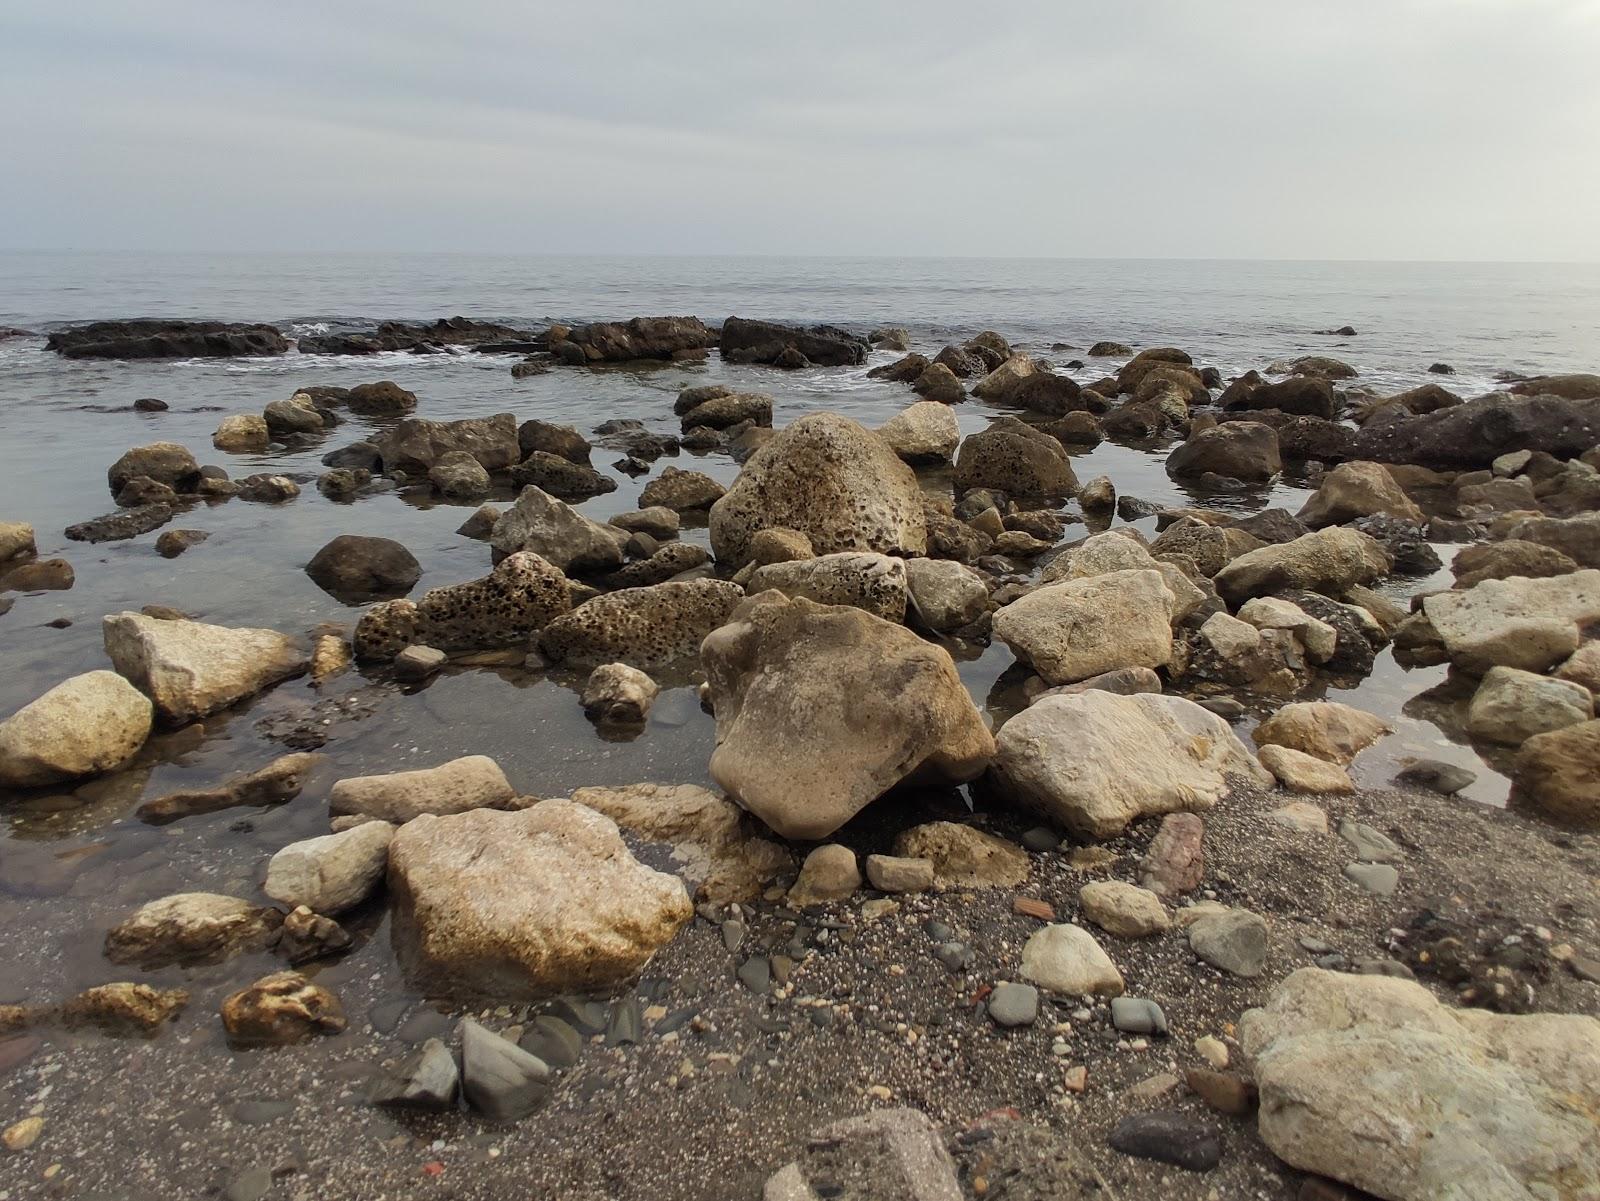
(1041, 839)
(553, 1041)
(1075, 1079)
(1014, 1004)
(1123, 909)
(425, 1079)
(418, 663)
(732, 935)
(1437, 776)
(1034, 908)
(1169, 1137)
(1136, 1015)
(284, 1007)
(1225, 1092)
(956, 956)
(893, 873)
(1302, 817)
(1370, 845)
(617, 694)
(499, 1078)
(249, 1186)
(19, 1136)
(755, 974)
(1213, 1050)
(1151, 1088)
(828, 874)
(1175, 862)
(1066, 960)
(1378, 878)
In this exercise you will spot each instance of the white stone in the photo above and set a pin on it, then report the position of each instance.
(1066, 960)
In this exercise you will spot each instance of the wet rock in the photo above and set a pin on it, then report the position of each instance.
(1495, 1103)
(1096, 761)
(618, 694)
(1357, 489)
(89, 724)
(521, 596)
(792, 751)
(1123, 909)
(425, 1079)
(644, 627)
(660, 567)
(1241, 450)
(142, 491)
(1502, 560)
(190, 669)
(242, 433)
(926, 432)
(124, 1008)
(190, 927)
(524, 904)
(556, 532)
(1555, 774)
(498, 1078)
(1300, 772)
(1136, 1015)
(1169, 1137)
(344, 483)
(829, 873)
(681, 491)
(277, 782)
(417, 663)
(938, 384)
(457, 475)
(16, 541)
(1511, 705)
(1082, 627)
(1175, 862)
(1014, 1004)
(472, 782)
(1234, 940)
(297, 415)
(546, 436)
(115, 527)
(748, 341)
(162, 462)
(945, 595)
(280, 1009)
(174, 542)
(150, 338)
(641, 338)
(1326, 730)
(874, 583)
(1328, 561)
(415, 444)
(332, 873)
(266, 489)
(659, 522)
(1066, 960)
(1017, 459)
(831, 480)
(306, 936)
(1530, 624)
(715, 407)
(887, 1153)
(1006, 378)
(355, 568)
(1479, 431)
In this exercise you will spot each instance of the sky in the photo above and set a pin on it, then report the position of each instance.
(1345, 129)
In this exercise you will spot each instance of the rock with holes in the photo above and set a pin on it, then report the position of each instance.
(924, 433)
(1017, 459)
(681, 491)
(522, 595)
(279, 1009)
(643, 627)
(945, 595)
(876, 583)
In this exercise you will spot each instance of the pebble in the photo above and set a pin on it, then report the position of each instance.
(1169, 1137)
(425, 1079)
(260, 1111)
(1034, 908)
(755, 974)
(1315, 946)
(1014, 1004)
(732, 936)
(938, 931)
(954, 955)
(1213, 1050)
(1234, 940)
(1152, 1088)
(1136, 1015)
(1377, 878)
(625, 1024)
(1076, 1079)
(251, 1186)
(21, 1135)
(1041, 839)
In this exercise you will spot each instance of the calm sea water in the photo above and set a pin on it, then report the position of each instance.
(65, 422)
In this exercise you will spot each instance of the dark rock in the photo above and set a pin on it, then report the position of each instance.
(149, 404)
(1302, 438)
(1272, 525)
(553, 1040)
(267, 489)
(1303, 394)
(903, 370)
(425, 1079)
(962, 364)
(415, 444)
(418, 338)
(553, 439)
(499, 1079)
(382, 399)
(1479, 431)
(750, 341)
(155, 339)
(1169, 1137)
(1241, 450)
(1225, 1092)
(561, 477)
(115, 526)
(1447, 779)
(1442, 369)
(358, 455)
(1047, 393)
(1405, 541)
(652, 338)
(163, 462)
(355, 568)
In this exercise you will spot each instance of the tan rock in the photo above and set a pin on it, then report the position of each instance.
(964, 857)
(1328, 561)
(892, 873)
(472, 782)
(1517, 622)
(1300, 772)
(829, 873)
(190, 669)
(191, 927)
(332, 873)
(91, 723)
(1327, 730)
(124, 1008)
(1083, 627)
(1358, 489)
(1558, 775)
(1125, 910)
(1066, 960)
(281, 1008)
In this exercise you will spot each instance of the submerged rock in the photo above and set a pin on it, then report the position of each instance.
(279, 1009)
(190, 669)
(822, 709)
(355, 568)
(277, 782)
(747, 341)
(124, 1008)
(89, 724)
(151, 338)
(115, 527)
(332, 873)
(191, 927)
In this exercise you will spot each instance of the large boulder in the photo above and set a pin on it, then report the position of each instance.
(1576, 537)
(1517, 622)
(924, 433)
(88, 724)
(190, 669)
(163, 339)
(557, 533)
(822, 709)
(1476, 433)
(1370, 1080)
(747, 341)
(162, 462)
(643, 627)
(1115, 550)
(415, 444)
(714, 406)
(1328, 561)
(1502, 560)
(830, 479)
(1017, 459)
(681, 491)
(1300, 437)
(418, 337)
(1082, 627)
(355, 568)
(1359, 489)
(1001, 383)
(1512, 705)
(876, 583)
(1558, 774)
(1240, 450)
(1095, 761)
(527, 904)
(641, 338)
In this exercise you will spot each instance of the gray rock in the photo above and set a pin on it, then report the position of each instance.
(1377, 878)
(1169, 1137)
(888, 1154)
(418, 663)
(755, 974)
(1234, 940)
(425, 1079)
(1447, 779)
(1370, 845)
(499, 1078)
(1136, 1015)
(553, 1040)
(1014, 1004)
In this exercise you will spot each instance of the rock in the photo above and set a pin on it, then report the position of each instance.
(1125, 681)
(1468, 1100)
(277, 782)
(281, 1008)
(385, 398)
(417, 663)
(821, 709)
(1576, 537)
(964, 857)
(681, 491)
(1517, 622)
(457, 475)
(472, 782)
(1327, 561)
(830, 479)
(892, 873)
(1241, 450)
(945, 595)
(1511, 705)
(561, 440)
(1082, 627)
(297, 415)
(16, 541)
(1479, 431)
(875, 583)
(707, 833)
(1066, 960)
(618, 694)
(1006, 378)
(1354, 490)
(425, 1079)
(660, 567)
(887, 1153)
(939, 384)
(828, 874)
(924, 433)
(1301, 394)
(747, 341)
(1096, 761)
(415, 444)
(717, 408)
(1169, 1137)
(642, 338)
(1123, 909)
(1582, 666)
(89, 724)
(1102, 350)
(354, 568)
(124, 1008)
(306, 936)
(1014, 1004)
(1234, 940)
(190, 927)
(498, 1078)
(658, 522)
(1326, 730)
(1017, 459)
(557, 533)
(1556, 772)
(166, 339)
(1175, 862)
(643, 627)
(190, 669)
(19, 1136)
(162, 462)
(242, 433)
(1446, 779)
(1369, 844)
(267, 489)
(174, 542)
(1377, 878)
(332, 873)
(1300, 772)
(416, 338)
(1135, 1015)
(1319, 639)
(1225, 1092)
(1502, 560)
(525, 904)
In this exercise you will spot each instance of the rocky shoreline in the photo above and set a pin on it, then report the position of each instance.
(1142, 937)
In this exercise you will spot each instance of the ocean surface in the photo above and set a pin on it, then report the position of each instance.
(71, 863)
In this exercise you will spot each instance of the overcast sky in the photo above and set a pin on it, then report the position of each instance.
(1391, 129)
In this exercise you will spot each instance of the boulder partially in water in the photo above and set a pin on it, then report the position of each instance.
(415, 444)
(747, 341)
(471, 782)
(1017, 459)
(1358, 489)
(926, 432)
(822, 709)
(1517, 622)
(191, 927)
(658, 338)
(1476, 433)
(557, 533)
(1240, 450)
(1329, 561)
(164, 462)
(356, 568)
(643, 627)
(526, 904)
(88, 724)
(161, 339)
(190, 668)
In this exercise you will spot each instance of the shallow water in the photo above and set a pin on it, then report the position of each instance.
(73, 864)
